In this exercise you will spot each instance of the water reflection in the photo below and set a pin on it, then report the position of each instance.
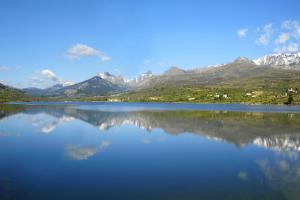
(77, 152)
(279, 131)
(47, 123)
(283, 172)
(264, 163)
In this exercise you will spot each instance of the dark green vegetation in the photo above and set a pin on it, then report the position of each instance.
(215, 94)
(7, 110)
(10, 94)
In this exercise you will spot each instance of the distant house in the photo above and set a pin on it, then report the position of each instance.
(292, 90)
(153, 98)
(114, 100)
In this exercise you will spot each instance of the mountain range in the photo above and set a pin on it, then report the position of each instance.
(284, 67)
(101, 84)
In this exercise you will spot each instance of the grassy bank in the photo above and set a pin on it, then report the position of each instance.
(184, 94)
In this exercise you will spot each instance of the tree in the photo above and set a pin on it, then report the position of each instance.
(290, 99)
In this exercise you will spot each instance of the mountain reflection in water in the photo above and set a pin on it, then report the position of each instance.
(271, 140)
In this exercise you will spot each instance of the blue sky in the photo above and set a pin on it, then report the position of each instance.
(45, 42)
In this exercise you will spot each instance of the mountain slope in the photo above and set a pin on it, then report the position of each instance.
(34, 91)
(10, 94)
(95, 86)
(102, 84)
(241, 81)
(239, 69)
(173, 71)
(117, 80)
(43, 92)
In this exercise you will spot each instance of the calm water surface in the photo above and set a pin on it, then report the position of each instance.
(149, 151)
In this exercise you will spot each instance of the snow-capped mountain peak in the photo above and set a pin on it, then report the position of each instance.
(112, 78)
(140, 78)
(119, 80)
(144, 76)
(283, 60)
(106, 75)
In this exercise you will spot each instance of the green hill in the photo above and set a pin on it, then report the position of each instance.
(10, 94)
(241, 81)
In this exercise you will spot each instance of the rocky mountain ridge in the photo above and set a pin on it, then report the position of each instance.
(105, 83)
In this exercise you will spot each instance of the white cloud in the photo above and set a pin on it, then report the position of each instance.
(266, 34)
(286, 37)
(282, 38)
(287, 24)
(47, 123)
(82, 50)
(291, 25)
(48, 128)
(76, 152)
(49, 75)
(292, 47)
(51, 125)
(242, 32)
(48, 78)
(291, 33)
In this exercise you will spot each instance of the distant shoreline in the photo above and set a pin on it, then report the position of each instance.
(133, 106)
(168, 102)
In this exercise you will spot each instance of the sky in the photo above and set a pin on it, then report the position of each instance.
(59, 41)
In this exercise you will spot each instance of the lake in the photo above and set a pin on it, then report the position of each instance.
(149, 151)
